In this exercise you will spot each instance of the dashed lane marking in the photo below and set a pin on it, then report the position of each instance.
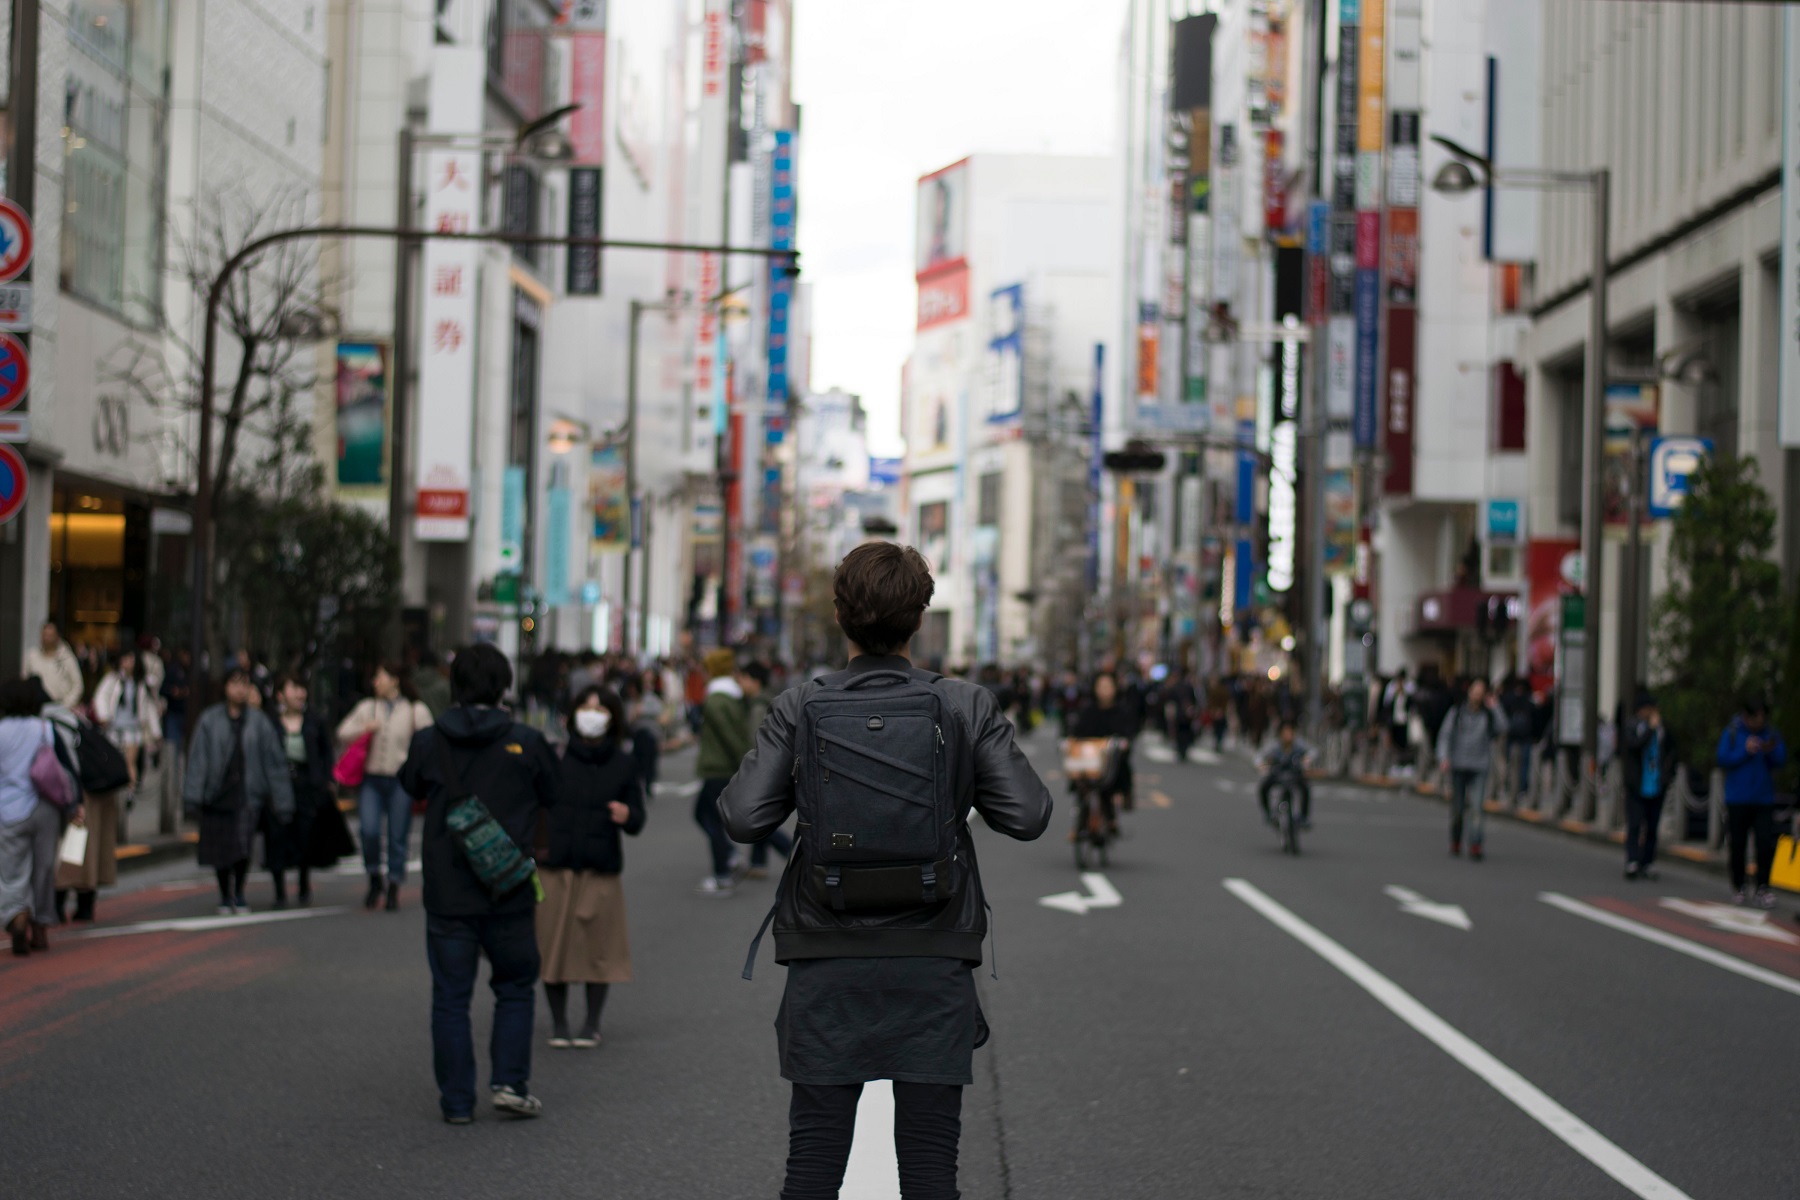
(1670, 941)
(1581, 1137)
(873, 1172)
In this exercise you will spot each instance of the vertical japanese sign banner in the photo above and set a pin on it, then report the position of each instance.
(556, 547)
(444, 445)
(1400, 261)
(447, 360)
(707, 420)
(362, 406)
(607, 500)
(1370, 140)
(584, 221)
(781, 282)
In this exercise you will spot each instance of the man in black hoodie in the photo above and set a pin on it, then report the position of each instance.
(476, 748)
(887, 994)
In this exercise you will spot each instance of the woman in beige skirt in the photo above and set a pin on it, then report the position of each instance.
(581, 923)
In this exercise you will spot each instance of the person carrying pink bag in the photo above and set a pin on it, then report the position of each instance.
(382, 725)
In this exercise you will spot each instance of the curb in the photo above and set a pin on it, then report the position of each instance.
(1685, 852)
(139, 856)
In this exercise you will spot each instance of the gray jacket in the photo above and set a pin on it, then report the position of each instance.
(1467, 738)
(266, 782)
(996, 781)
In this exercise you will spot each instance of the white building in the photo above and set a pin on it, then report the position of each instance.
(1018, 278)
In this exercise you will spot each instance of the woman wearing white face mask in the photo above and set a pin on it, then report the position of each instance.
(581, 923)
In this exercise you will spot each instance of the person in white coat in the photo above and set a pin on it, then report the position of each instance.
(125, 707)
(52, 661)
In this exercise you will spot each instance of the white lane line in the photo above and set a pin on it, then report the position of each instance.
(1678, 944)
(1444, 914)
(1581, 1137)
(873, 1172)
(208, 924)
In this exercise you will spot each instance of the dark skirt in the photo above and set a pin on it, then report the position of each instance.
(227, 838)
(852, 1020)
(317, 835)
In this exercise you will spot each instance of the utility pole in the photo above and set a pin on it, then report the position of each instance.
(638, 308)
(1593, 448)
(1314, 422)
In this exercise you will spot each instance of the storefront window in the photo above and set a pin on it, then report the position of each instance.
(114, 115)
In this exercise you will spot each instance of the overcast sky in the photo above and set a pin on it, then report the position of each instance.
(893, 91)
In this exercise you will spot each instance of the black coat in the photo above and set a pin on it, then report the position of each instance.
(510, 767)
(583, 835)
(1631, 757)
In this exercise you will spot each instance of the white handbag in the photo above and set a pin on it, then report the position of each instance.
(74, 846)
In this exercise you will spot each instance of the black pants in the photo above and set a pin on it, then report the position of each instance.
(1744, 819)
(706, 815)
(822, 1120)
(1642, 816)
(1300, 786)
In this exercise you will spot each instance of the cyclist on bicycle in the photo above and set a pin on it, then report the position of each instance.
(1106, 717)
(1285, 759)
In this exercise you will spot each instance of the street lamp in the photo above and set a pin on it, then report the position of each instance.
(1465, 172)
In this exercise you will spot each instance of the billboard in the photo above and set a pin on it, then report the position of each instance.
(943, 220)
(944, 296)
(362, 412)
(607, 500)
(1631, 408)
(1006, 354)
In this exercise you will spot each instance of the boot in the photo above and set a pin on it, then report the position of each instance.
(280, 881)
(374, 894)
(304, 897)
(84, 905)
(40, 936)
(393, 897)
(62, 903)
(20, 930)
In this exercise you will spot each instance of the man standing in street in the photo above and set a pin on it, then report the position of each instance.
(476, 749)
(1465, 750)
(881, 957)
(1649, 764)
(52, 661)
(724, 740)
(1750, 753)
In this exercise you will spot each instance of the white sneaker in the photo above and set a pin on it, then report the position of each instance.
(225, 910)
(1765, 898)
(713, 886)
(515, 1103)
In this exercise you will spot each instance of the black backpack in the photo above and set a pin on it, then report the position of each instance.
(875, 790)
(100, 764)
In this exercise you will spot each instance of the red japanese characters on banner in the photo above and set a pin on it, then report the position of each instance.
(944, 295)
(1275, 198)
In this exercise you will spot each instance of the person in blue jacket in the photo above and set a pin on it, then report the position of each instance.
(1750, 752)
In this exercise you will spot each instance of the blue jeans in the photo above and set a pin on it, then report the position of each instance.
(759, 851)
(1520, 750)
(706, 815)
(382, 795)
(1468, 792)
(454, 946)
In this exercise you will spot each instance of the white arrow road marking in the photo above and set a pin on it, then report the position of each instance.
(1581, 1137)
(1102, 895)
(1205, 758)
(1732, 919)
(208, 924)
(1680, 945)
(1419, 906)
(1156, 752)
(873, 1172)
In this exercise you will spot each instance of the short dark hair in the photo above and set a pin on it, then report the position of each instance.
(880, 593)
(1754, 706)
(480, 674)
(22, 697)
(759, 671)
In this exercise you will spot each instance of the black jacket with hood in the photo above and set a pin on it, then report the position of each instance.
(999, 784)
(583, 836)
(510, 766)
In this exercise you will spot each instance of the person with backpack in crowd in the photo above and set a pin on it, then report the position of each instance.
(390, 719)
(1465, 751)
(1750, 752)
(235, 773)
(101, 776)
(1515, 703)
(32, 813)
(125, 708)
(880, 914)
(495, 775)
(581, 923)
(724, 740)
(1648, 760)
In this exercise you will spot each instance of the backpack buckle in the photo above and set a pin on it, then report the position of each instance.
(928, 882)
(834, 888)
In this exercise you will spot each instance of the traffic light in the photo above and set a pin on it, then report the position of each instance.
(1136, 458)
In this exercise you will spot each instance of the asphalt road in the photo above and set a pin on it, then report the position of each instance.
(1298, 1034)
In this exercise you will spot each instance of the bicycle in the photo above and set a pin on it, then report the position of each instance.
(1287, 822)
(1088, 763)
